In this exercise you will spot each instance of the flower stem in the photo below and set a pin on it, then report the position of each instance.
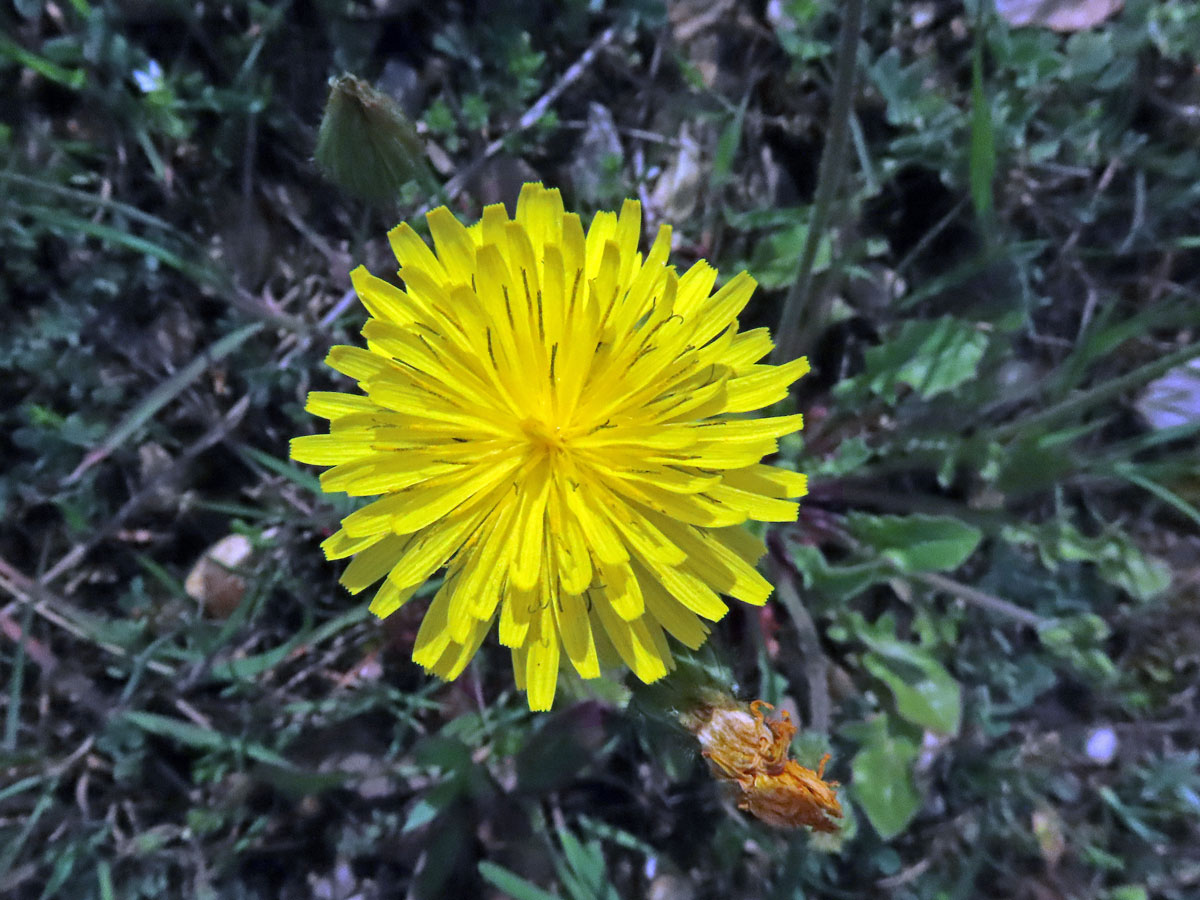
(1098, 394)
(979, 598)
(829, 175)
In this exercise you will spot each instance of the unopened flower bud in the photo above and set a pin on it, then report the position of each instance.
(366, 144)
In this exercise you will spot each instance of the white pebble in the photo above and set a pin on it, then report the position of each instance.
(1102, 746)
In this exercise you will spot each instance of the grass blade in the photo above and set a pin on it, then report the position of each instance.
(162, 395)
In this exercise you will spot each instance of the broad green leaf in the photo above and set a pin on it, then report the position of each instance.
(931, 356)
(917, 543)
(882, 779)
(773, 262)
(926, 694)
(837, 582)
(850, 454)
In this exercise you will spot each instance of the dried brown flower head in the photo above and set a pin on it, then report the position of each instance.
(750, 751)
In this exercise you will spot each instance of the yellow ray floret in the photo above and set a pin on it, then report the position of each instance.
(558, 422)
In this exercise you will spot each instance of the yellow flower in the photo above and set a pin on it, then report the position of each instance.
(748, 751)
(554, 419)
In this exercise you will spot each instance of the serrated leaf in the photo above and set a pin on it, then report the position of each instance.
(837, 582)
(850, 454)
(931, 356)
(917, 543)
(926, 693)
(1117, 559)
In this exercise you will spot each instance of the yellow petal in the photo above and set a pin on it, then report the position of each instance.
(528, 527)
(412, 253)
(429, 550)
(622, 591)
(717, 565)
(751, 429)
(688, 590)
(633, 642)
(330, 449)
(331, 405)
(339, 545)
(382, 300)
(516, 614)
(748, 348)
(358, 363)
(371, 564)
(769, 480)
(575, 628)
(433, 637)
(695, 286)
(390, 598)
(541, 663)
(457, 654)
(455, 248)
(763, 385)
(723, 307)
(762, 509)
(683, 624)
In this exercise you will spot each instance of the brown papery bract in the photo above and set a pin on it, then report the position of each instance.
(749, 751)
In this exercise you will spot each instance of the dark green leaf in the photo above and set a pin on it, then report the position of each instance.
(983, 139)
(931, 356)
(925, 693)
(512, 884)
(917, 543)
(882, 779)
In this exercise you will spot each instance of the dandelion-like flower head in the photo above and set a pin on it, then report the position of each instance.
(555, 419)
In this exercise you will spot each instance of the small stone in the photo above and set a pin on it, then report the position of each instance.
(213, 581)
(1101, 746)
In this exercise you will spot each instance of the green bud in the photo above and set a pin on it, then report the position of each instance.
(367, 146)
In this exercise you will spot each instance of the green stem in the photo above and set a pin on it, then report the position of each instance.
(829, 175)
(816, 666)
(1099, 393)
(979, 598)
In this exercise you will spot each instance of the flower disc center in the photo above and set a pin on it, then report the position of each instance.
(544, 436)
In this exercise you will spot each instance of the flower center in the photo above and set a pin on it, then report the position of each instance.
(544, 437)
